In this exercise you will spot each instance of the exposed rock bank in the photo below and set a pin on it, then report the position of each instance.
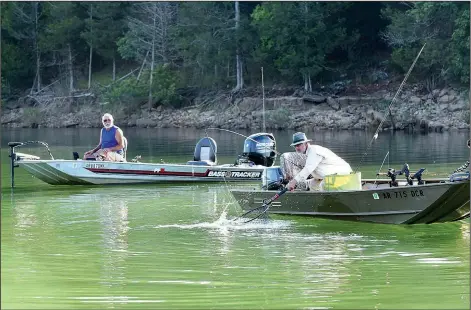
(439, 110)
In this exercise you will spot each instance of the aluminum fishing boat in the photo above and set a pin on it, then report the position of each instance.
(259, 153)
(379, 201)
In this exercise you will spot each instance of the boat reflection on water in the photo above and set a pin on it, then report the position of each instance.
(114, 223)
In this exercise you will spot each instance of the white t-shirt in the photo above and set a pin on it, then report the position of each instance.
(321, 162)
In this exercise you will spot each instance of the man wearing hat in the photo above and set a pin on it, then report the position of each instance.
(320, 162)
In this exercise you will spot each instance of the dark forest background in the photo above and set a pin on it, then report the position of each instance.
(159, 53)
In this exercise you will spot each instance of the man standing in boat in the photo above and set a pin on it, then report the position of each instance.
(320, 162)
(111, 144)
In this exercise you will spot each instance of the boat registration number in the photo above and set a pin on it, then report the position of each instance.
(400, 194)
(235, 174)
(95, 166)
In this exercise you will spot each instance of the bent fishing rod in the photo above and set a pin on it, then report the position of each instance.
(375, 136)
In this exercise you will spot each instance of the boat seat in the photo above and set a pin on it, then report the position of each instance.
(205, 153)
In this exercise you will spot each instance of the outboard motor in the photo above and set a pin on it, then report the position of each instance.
(272, 178)
(259, 148)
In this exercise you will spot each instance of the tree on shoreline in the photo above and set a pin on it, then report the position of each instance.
(191, 47)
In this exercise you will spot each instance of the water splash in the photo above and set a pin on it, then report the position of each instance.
(225, 223)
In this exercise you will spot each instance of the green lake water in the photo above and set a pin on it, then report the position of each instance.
(174, 246)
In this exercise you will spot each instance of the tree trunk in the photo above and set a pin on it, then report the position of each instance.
(153, 57)
(71, 70)
(216, 73)
(306, 85)
(114, 68)
(142, 66)
(240, 79)
(307, 76)
(393, 122)
(90, 68)
(163, 30)
(36, 45)
(91, 49)
(307, 82)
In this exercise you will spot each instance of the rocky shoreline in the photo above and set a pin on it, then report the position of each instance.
(438, 110)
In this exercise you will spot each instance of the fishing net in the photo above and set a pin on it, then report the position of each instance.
(291, 164)
(262, 211)
(259, 214)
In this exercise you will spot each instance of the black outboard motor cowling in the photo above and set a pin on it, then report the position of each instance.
(260, 148)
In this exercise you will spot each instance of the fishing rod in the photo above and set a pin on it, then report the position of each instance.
(375, 136)
(381, 167)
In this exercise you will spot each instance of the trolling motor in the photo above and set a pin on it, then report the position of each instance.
(392, 173)
(16, 156)
(12, 156)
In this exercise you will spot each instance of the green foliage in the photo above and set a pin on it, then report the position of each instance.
(6, 91)
(444, 26)
(17, 67)
(165, 86)
(206, 40)
(130, 92)
(105, 27)
(31, 115)
(126, 48)
(466, 117)
(460, 53)
(126, 92)
(64, 26)
(293, 41)
(279, 118)
(17, 40)
(148, 28)
(299, 35)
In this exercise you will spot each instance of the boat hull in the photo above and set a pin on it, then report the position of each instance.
(429, 203)
(80, 172)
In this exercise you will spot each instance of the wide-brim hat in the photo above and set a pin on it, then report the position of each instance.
(298, 138)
